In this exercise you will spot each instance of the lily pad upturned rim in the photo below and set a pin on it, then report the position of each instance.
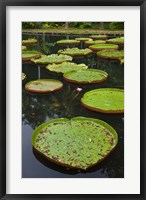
(33, 54)
(82, 39)
(119, 41)
(23, 76)
(49, 66)
(85, 82)
(68, 42)
(24, 48)
(99, 109)
(80, 119)
(29, 41)
(99, 47)
(75, 52)
(92, 42)
(98, 37)
(43, 91)
(99, 54)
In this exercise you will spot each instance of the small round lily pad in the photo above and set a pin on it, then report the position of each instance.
(75, 52)
(111, 54)
(82, 39)
(87, 76)
(29, 41)
(28, 55)
(53, 58)
(68, 42)
(119, 41)
(98, 37)
(43, 86)
(65, 67)
(79, 143)
(105, 100)
(99, 47)
(24, 48)
(23, 76)
(90, 42)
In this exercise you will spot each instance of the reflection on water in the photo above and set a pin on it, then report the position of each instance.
(36, 109)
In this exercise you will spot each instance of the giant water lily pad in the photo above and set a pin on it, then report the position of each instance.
(105, 100)
(29, 41)
(77, 143)
(43, 86)
(65, 67)
(75, 51)
(119, 41)
(82, 39)
(86, 76)
(24, 48)
(99, 47)
(111, 54)
(53, 58)
(99, 37)
(68, 42)
(90, 42)
(28, 55)
(23, 76)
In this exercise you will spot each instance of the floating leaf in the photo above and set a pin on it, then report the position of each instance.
(105, 100)
(29, 41)
(77, 143)
(75, 51)
(65, 67)
(82, 39)
(23, 76)
(111, 54)
(24, 48)
(86, 76)
(43, 86)
(28, 55)
(99, 37)
(68, 42)
(119, 40)
(90, 42)
(99, 47)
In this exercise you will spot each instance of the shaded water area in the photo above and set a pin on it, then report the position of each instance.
(37, 109)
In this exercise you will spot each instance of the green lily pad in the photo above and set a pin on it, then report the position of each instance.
(43, 86)
(105, 100)
(24, 48)
(53, 58)
(82, 39)
(99, 47)
(29, 41)
(90, 42)
(23, 76)
(99, 37)
(86, 76)
(68, 42)
(75, 51)
(78, 143)
(119, 41)
(65, 67)
(111, 54)
(28, 55)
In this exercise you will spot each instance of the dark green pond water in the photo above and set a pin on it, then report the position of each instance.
(36, 109)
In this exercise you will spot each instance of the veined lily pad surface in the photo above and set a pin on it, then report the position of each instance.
(43, 86)
(24, 48)
(99, 37)
(68, 42)
(82, 39)
(65, 67)
(90, 42)
(111, 54)
(105, 100)
(86, 76)
(29, 41)
(77, 143)
(53, 58)
(99, 47)
(119, 40)
(28, 55)
(23, 76)
(75, 51)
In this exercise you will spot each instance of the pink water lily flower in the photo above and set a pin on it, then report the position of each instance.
(79, 89)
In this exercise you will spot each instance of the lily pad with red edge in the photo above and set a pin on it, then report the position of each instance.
(111, 54)
(99, 47)
(65, 67)
(78, 143)
(42, 86)
(98, 37)
(87, 76)
(29, 41)
(53, 58)
(28, 55)
(68, 42)
(91, 42)
(104, 100)
(75, 52)
(81, 39)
